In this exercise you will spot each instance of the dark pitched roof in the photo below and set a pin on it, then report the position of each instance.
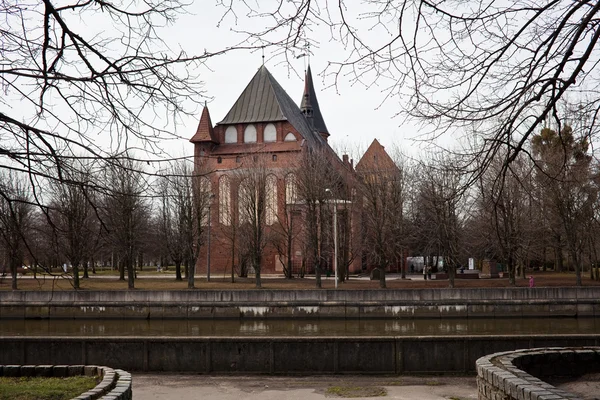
(205, 131)
(257, 103)
(376, 160)
(310, 102)
(264, 100)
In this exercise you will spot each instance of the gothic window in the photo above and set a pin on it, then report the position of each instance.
(290, 189)
(270, 133)
(231, 134)
(245, 201)
(274, 157)
(204, 195)
(290, 137)
(225, 200)
(250, 134)
(271, 200)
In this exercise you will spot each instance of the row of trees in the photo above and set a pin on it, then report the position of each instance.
(539, 212)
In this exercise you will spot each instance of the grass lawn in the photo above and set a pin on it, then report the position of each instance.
(38, 388)
(167, 282)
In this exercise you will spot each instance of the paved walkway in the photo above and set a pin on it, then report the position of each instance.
(188, 387)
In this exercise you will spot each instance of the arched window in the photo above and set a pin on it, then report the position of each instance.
(225, 200)
(231, 134)
(270, 133)
(204, 196)
(271, 200)
(290, 137)
(290, 189)
(246, 201)
(250, 134)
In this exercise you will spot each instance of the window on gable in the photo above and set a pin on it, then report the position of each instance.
(290, 137)
(231, 134)
(250, 134)
(270, 133)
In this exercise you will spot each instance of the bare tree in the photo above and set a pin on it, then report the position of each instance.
(316, 173)
(565, 172)
(255, 186)
(502, 67)
(439, 220)
(76, 80)
(125, 214)
(506, 204)
(381, 187)
(15, 213)
(72, 218)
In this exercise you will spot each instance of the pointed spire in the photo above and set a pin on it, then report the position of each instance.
(310, 106)
(205, 131)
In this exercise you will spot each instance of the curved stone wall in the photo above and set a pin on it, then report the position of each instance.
(519, 375)
(115, 384)
(348, 304)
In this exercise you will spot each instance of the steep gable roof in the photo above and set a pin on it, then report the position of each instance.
(310, 102)
(376, 159)
(205, 131)
(264, 100)
(257, 103)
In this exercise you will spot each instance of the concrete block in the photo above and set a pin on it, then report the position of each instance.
(426, 311)
(60, 371)
(75, 370)
(453, 311)
(43, 370)
(585, 310)
(35, 312)
(563, 310)
(27, 370)
(199, 312)
(481, 310)
(90, 370)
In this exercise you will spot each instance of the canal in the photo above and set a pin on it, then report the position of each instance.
(300, 327)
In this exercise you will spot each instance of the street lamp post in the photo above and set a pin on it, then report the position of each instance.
(335, 244)
(208, 240)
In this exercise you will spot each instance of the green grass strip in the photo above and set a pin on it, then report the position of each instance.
(40, 388)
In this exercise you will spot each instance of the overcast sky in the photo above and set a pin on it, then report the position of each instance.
(354, 114)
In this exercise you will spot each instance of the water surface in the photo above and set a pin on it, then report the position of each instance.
(304, 327)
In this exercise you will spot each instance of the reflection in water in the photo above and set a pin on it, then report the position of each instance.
(304, 327)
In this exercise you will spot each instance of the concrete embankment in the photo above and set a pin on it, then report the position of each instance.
(350, 304)
(278, 355)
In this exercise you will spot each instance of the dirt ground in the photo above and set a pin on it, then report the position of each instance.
(188, 387)
(167, 282)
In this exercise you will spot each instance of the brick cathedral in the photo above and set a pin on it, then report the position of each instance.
(265, 124)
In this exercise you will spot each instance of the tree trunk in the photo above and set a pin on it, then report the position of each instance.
(85, 270)
(402, 265)
(178, 271)
(191, 275)
(76, 275)
(382, 283)
(576, 260)
(451, 274)
(130, 273)
(257, 273)
(318, 275)
(14, 262)
(122, 270)
(511, 271)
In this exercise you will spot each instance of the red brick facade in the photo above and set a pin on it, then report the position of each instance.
(230, 146)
